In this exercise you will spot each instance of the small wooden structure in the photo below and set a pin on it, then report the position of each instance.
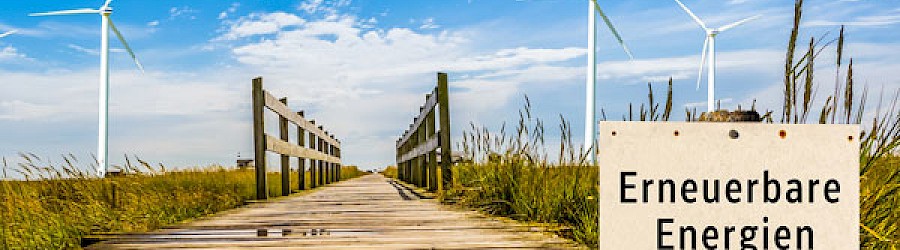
(244, 163)
(313, 143)
(426, 144)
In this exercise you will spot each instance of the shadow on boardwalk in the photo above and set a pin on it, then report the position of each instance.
(369, 212)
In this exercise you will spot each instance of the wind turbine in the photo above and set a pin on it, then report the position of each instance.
(709, 47)
(106, 24)
(7, 33)
(590, 114)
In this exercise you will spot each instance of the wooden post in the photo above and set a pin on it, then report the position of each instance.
(259, 139)
(285, 159)
(432, 156)
(313, 164)
(423, 165)
(444, 108)
(321, 174)
(301, 163)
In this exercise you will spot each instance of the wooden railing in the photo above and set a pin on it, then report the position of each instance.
(313, 143)
(426, 144)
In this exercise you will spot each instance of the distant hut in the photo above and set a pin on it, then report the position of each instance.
(244, 163)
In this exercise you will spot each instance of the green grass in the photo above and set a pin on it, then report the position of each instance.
(61, 205)
(512, 176)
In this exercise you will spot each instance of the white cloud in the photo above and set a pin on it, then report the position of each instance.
(382, 75)
(231, 10)
(84, 50)
(874, 21)
(326, 8)
(184, 11)
(153, 23)
(260, 24)
(428, 24)
(11, 54)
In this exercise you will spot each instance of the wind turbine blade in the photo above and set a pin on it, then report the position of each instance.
(106, 4)
(7, 33)
(735, 24)
(124, 43)
(66, 12)
(697, 19)
(702, 61)
(613, 29)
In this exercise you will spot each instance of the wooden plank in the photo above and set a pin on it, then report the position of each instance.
(430, 103)
(430, 145)
(278, 146)
(259, 139)
(279, 108)
(364, 213)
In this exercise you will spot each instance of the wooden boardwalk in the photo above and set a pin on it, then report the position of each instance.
(370, 212)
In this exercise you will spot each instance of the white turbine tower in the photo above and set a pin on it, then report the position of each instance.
(106, 24)
(7, 33)
(709, 47)
(590, 113)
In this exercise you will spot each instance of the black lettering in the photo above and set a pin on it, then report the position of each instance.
(688, 229)
(688, 187)
(731, 188)
(748, 234)
(794, 187)
(809, 237)
(660, 232)
(750, 185)
(714, 197)
(769, 185)
(710, 233)
(782, 234)
(626, 186)
(662, 193)
(812, 185)
(647, 184)
(832, 186)
(728, 231)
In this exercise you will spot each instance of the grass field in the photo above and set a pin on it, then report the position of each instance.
(63, 205)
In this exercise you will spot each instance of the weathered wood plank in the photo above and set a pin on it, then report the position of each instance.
(278, 146)
(365, 213)
(422, 149)
(430, 103)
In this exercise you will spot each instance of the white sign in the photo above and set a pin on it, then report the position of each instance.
(728, 186)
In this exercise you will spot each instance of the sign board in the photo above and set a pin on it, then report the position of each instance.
(728, 186)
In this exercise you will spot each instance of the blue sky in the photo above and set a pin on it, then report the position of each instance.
(362, 67)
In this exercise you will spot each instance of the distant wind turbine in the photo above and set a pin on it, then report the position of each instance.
(590, 113)
(106, 24)
(7, 33)
(709, 47)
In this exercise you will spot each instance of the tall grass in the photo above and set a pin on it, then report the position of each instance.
(57, 205)
(513, 175)
(879, 163)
